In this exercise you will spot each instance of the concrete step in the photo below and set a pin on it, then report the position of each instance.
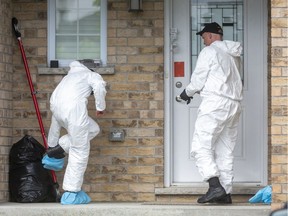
(131, 209)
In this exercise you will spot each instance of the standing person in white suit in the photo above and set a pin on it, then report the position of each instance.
(217, 78)
(68, 105)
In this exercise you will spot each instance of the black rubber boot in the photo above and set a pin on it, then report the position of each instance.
(56, 152)
(215, 191)
(224, 200)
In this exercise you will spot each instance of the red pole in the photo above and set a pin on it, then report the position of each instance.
(33, 94)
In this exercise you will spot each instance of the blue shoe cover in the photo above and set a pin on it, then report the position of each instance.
(74, 198)
(262, 196)
(267, 195)
(52, 163)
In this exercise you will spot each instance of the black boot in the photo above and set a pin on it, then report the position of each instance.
(224, 200)
(56, 152)
(215, 191)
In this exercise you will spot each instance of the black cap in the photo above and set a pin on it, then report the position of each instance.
(212, 28)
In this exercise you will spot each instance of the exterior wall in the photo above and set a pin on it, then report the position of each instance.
(32, 22)
(6, 114)
(278, 101)
(117, 171)
(129, 170)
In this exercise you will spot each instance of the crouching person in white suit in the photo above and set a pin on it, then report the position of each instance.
(68, 105)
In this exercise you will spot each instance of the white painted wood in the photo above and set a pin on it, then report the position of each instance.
(251, 150)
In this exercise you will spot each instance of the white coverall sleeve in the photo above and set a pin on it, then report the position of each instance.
(200, 73)
(98, 86)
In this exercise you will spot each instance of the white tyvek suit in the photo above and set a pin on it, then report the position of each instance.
(217, 78)
(68, 104)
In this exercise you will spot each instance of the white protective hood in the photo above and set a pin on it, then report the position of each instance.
(77, 86)
(218, 71)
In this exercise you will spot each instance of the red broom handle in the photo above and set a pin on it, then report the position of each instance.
(33, 93)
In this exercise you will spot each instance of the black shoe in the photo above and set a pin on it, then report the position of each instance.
(224, 200)
(56, 152)
(212, 195)
(215, 191)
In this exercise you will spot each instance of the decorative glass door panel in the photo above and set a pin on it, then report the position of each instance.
(228, 14)
(187, 18)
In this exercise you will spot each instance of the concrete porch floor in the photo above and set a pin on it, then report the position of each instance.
(132, 209)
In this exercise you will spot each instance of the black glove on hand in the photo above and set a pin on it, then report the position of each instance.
(185, 97)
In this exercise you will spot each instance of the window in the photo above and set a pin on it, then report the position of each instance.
(77, 30)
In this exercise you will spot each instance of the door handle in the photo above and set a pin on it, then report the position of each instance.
(178, 99)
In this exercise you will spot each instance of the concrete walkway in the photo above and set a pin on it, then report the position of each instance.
(131, 209)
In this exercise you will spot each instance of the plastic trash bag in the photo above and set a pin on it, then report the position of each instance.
(262, 196)
(29, 182)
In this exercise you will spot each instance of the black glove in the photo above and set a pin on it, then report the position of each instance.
(185, 97)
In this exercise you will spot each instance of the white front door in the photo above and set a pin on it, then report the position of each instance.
(243, 21)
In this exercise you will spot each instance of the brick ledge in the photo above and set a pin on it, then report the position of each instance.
(103, 70)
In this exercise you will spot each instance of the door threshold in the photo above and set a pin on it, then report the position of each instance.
(194, 190)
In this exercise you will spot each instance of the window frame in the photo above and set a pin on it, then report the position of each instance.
(51, 34)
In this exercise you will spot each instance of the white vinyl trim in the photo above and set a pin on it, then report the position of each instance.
(167, 94)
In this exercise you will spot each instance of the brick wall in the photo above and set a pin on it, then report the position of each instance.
(117, 171)
(5, 94)
(32, 17)
(129, 170)
(278, 101)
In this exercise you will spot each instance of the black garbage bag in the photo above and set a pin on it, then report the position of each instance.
(29, 182)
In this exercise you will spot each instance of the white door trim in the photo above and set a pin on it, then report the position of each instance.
(168, 136)
(169, 100)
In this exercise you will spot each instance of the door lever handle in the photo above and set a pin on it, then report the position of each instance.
(178, 99)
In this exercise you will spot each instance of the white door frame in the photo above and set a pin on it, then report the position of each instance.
(169, 100)
(167, 94)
